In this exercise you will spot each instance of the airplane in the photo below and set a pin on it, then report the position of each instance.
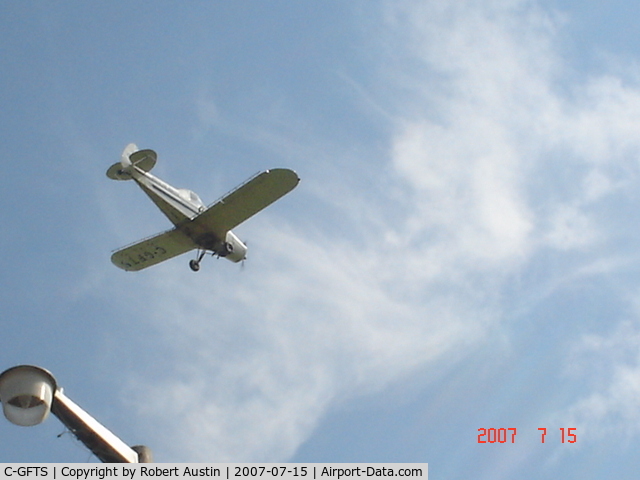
(206, 229)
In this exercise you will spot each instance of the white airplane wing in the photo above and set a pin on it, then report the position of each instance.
(152, 251)
(245, 201)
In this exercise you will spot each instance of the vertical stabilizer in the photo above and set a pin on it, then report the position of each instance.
(124, 159)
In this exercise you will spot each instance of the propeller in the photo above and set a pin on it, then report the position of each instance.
(245, 257)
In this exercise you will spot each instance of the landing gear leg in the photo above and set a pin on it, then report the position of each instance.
(195, 264)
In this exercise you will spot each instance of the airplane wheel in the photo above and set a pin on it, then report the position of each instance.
(194, 265)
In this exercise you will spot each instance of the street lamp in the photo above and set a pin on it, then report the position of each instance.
(29, 393)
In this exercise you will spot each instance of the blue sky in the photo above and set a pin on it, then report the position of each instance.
(462, 251)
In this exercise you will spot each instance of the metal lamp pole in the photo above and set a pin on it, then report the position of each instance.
(29, 393)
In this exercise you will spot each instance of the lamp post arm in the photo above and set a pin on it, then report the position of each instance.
(97, 438)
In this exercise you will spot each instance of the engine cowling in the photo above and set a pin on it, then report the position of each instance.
(234, 250)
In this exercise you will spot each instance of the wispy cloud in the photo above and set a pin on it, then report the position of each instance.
(499, 156)
(520, 158)
(611, 364)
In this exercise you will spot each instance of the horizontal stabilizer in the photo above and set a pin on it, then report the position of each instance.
(116, 172)
(152, 251)
(143, 160)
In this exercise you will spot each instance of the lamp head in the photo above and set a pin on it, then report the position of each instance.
(26, 393)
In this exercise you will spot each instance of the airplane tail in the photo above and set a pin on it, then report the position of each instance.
(131, 157)
(129, 150)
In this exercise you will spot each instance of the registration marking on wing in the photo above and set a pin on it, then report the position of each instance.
(152, 251)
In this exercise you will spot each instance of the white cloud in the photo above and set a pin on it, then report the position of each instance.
(466, 183)
(612, 364)
(497, 164)
(255, 364)
(570, 228)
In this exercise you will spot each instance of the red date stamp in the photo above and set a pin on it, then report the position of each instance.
(508, 435)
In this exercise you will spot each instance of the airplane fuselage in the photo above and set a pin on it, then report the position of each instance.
(181, 205)
(178, 204)
(207, 229)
